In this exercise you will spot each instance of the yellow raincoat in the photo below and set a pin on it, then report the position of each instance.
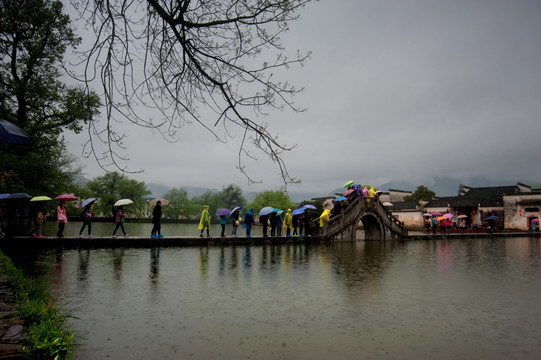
(324, 218)
(204, 223)
(288, 219)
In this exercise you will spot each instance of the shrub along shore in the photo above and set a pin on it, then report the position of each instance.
(46, 334)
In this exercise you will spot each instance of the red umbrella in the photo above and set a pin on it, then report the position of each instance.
(347, 192)
(66, 197)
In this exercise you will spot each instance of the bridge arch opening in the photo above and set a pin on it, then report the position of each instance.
(373, 229)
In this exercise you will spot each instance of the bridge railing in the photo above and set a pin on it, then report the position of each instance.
(350, 216)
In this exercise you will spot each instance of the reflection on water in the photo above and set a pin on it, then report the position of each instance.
(465, 299)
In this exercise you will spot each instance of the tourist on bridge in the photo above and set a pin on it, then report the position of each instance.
(86, 216)
(288, 222)
(156, 220)
(248, 222)
(295, 223)
(61, 218)
(119, 220)
(204, 222)
(273, 221)
(264, 220)
(324, 217)
(235, 220)
(306, 220)
(279, 222)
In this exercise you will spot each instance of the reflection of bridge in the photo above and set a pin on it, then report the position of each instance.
(377, 221)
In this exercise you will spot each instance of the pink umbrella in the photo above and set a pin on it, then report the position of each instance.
(347, 192)
(437, 213)
(66, 197)
(448, 216)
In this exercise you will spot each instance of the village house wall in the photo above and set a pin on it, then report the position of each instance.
(519, 208)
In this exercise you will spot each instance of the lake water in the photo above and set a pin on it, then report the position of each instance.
(454, 299)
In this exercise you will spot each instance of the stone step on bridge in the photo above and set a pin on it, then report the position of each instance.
(377, 220)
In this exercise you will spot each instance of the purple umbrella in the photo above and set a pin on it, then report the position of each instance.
(298, 211)
(223, 212)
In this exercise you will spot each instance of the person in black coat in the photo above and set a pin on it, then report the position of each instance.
(156, 220)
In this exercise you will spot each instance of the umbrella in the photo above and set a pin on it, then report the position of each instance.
(40, 198)
(349, 183)
(379, 192)
(236, 208)
(3, 196)
(298, 211)
(447, 216)
(535, 220)
(162, 200)
(86, 202)
(462, 216)
(123, 202)
(12, 134)
(492, 217)
(386, 203)
(341, 198)
(347, 192)
(427, 214)
(279, 212)
(223, 212)
(309, 207)
(266, 210)
(437, 213)
(19, 196)
(66, 197)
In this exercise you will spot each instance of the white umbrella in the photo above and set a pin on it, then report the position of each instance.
(387, 204)
(123, 202)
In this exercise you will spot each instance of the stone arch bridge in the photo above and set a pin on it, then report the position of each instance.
(377, 220)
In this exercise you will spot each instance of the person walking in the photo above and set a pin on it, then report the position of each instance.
(235, 218)
(307, 219)
(288, 222)
(86, 216)
(264, 220)
(279, 223)
(40, 219)
(248, 222)
(204, 222)
(156, 221)
(295, 224)
(61, 218)
(119, 220)
(223, 222)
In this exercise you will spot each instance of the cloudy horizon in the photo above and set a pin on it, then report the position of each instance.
(396, 92)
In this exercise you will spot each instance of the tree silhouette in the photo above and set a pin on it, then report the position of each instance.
(186, 57)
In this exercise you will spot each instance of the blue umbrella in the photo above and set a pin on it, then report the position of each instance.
(492, 217)
(86, 202)
(298, 211)
(341, 198)
(308, 206)
(19, 196)
(266, 210)
(3, 196)
(12, 134)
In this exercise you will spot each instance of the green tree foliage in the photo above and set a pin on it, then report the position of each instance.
(422, 193)
(275, 198)
(179, 205)
(231, 196)
(114, 186)
(34, 35)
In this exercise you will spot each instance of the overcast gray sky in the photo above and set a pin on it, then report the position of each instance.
(396, 90)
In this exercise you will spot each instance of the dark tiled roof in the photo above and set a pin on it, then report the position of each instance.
(492, 191)
(404, 205)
